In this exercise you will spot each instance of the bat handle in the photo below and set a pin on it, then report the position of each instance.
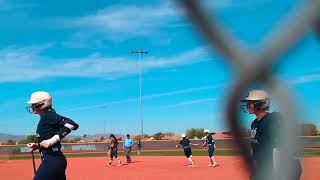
(33, 163)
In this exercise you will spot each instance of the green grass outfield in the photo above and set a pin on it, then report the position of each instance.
(220, 152)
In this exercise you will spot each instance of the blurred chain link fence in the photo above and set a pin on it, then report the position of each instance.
(252, 67)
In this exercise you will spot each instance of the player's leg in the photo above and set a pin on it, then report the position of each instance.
(214, 162)
(119, 161)
(116, 156)
(51, 167)
(43, 171)
(139, 149)
(188, 153)
(191, 160)
(111, 157)
(128, 154)
(61, 170)
(210, 155)
(129, 157)
(297, 169)
(212, 159)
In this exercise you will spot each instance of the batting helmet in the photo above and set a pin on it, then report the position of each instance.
(39, 101)
(260, 99)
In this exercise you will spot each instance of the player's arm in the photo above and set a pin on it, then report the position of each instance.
(193, 144)
(139, 145)
(269, 137)
(179, 144)
(66, 125)
(204, 144)
(108, 150)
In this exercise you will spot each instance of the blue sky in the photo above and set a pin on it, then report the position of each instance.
(79, 52)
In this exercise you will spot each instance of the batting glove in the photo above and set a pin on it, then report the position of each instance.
(32, 146)
(49, 142)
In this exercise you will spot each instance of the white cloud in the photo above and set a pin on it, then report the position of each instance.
(191, 102)
(185, 91)
(158, 95)
(27, 64)
(305, 79)
(119, 23)
(122, 22)
(227, 4)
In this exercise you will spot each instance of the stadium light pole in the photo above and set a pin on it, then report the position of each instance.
(139, 52)
(104, 121)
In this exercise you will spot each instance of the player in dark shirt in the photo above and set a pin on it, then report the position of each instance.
(113, 151)
(51, 129)
(185, 143)
(265, 134)
(211, 147)
(139, 147)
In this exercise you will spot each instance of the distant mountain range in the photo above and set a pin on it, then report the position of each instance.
(6, 136)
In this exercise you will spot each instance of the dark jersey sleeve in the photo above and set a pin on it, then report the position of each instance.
(65, 125)
(254, 134)
(184, 142)
(113, 143)
(269, 132)
(139, 144)
(275, 128)
(209, 139)
(213, 142)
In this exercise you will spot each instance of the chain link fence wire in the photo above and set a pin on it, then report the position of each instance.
(254, 68)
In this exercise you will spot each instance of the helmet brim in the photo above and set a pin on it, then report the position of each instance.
(249, 99)
(30, 102)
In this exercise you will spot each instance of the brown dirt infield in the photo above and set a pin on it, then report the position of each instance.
(150, 168)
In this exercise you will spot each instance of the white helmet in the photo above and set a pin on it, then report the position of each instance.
(260, 98)
(39, 100)
(183, 135)
(206, 131)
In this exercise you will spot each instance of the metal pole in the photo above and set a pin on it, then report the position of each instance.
(141, 110)
(104, 126)
(139, 52)
(104, 122)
